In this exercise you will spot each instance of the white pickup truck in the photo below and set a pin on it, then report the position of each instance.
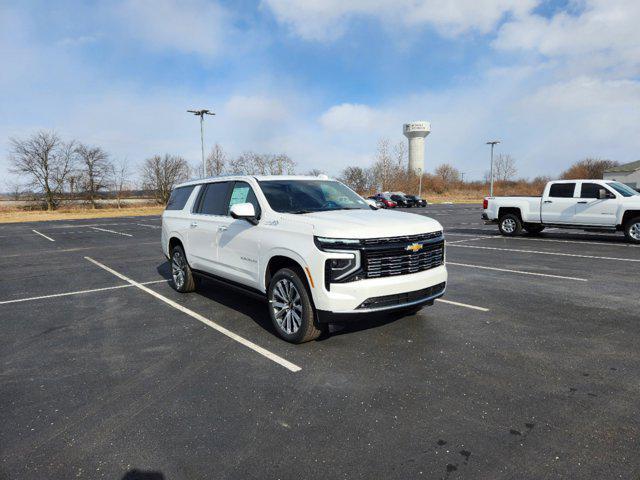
(579, 204)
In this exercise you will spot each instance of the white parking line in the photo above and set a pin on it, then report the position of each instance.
(77, 292)
(247, 343)
(585, 242)
(43, 235)
(465, 240)
(458, 304)
(561, 277)
(537, 252)
(112, 231)
(150, 226)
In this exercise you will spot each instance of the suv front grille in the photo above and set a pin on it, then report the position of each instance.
(398, 260)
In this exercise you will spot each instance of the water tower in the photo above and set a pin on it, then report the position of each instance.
(415, 132)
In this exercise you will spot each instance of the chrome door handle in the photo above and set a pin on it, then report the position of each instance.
(194, 224)
(548, 201)
(222, 228)
(582, 202)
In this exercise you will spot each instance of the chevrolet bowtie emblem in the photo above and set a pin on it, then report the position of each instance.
(414, 247)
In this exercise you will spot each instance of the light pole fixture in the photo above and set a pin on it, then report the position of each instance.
(201, 114)
(493, 143)
(420, 183)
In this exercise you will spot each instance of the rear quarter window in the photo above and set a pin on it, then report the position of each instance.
(179, 197)
(562, 190)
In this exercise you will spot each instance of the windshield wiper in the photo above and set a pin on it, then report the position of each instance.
(298, 212)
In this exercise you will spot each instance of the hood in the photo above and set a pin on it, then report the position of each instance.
(367, 223)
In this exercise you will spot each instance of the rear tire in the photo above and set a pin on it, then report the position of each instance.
(632, 230)
(510, 225)
(183, 280)
(291, 307)
(533, 229)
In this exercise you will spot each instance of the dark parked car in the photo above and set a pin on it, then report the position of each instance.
(417, 201)
(401, 200)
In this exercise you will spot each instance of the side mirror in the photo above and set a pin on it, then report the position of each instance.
(604, 194)
(244, 211)
(372, 203)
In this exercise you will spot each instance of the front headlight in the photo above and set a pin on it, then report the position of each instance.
(325, 243)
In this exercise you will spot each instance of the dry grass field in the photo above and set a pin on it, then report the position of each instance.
(13, 215)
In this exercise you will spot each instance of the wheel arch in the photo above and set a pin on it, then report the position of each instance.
(506, 210)
(628, 215)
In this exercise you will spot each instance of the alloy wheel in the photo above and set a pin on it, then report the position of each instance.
(509, 225)
(178, 269)
(287, 306)
(634, 231)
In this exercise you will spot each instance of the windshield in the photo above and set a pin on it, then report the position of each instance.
(306, 196)
(622, 189)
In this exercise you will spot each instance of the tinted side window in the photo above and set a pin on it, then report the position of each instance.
(213, 200)
(562, 190)
(179, 197)
(590, 190)
(243, 193)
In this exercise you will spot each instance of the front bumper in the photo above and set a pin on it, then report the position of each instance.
(348, 298)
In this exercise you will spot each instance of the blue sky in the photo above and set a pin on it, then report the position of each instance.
(322, 80)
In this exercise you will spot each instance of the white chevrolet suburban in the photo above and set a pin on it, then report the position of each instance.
(601, 205)
(315, 249)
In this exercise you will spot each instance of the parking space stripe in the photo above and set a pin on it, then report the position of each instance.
(465, 305)
(557, 240)
(537, 252)
(149, 226)
(482, 267)
(112, 231)
(43, 235)
(77, 292)
(243, 341)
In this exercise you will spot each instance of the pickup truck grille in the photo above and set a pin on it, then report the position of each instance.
(395, 259)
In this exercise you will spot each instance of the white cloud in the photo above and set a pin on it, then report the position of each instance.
(327, 19)
(603, 35)
(350, 118)
(188, 26)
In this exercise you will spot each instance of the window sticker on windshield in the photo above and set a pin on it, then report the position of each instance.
(239, 195)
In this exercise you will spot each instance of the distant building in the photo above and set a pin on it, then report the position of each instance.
(629, 174)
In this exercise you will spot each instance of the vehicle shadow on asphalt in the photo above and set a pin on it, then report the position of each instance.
(234, 298)
(136, 474)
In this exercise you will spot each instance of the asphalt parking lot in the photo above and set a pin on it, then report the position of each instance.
(529, 368)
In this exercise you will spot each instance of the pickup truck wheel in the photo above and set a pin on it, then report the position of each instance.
(509, 225)
(534, 229)
(291, 308)
(181, 273)
(632, 230)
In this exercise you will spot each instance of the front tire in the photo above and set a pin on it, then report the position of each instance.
(632, 230)
(291, 308)
(510, 225)
(181, 273)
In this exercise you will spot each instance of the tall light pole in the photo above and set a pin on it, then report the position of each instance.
(493, 143)
(201, 114)
(420, 184)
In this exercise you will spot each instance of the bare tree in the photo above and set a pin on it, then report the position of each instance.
(45, 161)
(119, 179)
(94, 170)
(588, 168)
(400, 154)
(251, 163)
(386, 170)
(161, 173)
(448, 174)
(216, 161)
(314, 172)
(504, 168)
(357, 178)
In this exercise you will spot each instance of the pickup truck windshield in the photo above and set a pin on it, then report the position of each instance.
(622, 189)
(306, 196)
